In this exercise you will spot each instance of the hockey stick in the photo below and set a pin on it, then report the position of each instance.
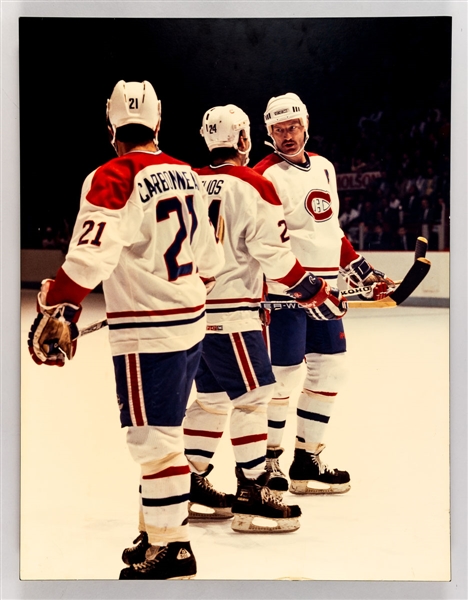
(406, 287)
(410, 282)
(420, 248)
(419, 252)
(96, 326)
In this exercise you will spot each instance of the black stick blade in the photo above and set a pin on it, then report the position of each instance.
(412, 279)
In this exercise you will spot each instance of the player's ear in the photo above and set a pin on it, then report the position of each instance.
(244, 143)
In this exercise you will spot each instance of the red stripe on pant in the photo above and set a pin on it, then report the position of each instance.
(322, 393)
(248, 439)
(135, 398)
(201, 433)
(169, 472)
(244, 361)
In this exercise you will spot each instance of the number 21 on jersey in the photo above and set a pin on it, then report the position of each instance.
(164, 209)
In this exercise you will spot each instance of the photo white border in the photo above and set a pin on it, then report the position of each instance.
(10, 586)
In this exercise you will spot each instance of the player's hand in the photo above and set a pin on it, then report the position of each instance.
(265, 316)
(54, 333)
(322, 302)
(361, 273)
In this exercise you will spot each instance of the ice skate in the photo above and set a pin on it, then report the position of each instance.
(309, 475)
(174, 561)
(257, 510)
(207, 504)
(136, 554)
(278, 481)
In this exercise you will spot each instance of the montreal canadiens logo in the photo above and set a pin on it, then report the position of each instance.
(318, 204)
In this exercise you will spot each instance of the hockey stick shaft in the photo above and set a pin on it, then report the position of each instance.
(363, 289)
(96, 326)
(405, 288)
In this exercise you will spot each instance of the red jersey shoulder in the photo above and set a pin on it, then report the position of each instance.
(267, 162)
(312, 154)
(113, 182)
(204, 170)
(264, 187)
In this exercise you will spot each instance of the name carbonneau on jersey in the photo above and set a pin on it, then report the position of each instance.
(248, 217)
(143, 230)
(311, 205)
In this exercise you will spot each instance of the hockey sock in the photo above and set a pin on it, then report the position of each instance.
(277, 413)
(164, 482)
(248, 429)
(287, 378)
(203, 427)
(313, 413)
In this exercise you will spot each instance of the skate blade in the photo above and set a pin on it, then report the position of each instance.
(200, 512)
(181, 577)
(256, 524)
(318, 487)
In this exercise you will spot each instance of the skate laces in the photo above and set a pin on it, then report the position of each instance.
(207, 486)
(322, 467)
(274, 468)
(149, 563)
(270, 498)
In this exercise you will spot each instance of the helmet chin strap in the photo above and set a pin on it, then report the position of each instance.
(113, 142)
(301, 149)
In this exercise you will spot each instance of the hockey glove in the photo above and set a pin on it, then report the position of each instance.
(322, 302)
(360, 273)
(54, 333)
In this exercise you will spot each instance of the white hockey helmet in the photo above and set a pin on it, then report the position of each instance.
(283, 108)
(222, 125)
(133, 102)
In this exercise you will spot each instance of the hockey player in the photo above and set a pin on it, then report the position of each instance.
(306, 184)
(235, 370)
(143, 230)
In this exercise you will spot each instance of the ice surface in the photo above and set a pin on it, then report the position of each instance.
(389, 429)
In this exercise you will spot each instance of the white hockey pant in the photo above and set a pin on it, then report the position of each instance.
(164, 482)
(325, 376)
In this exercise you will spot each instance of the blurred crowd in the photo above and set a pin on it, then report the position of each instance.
(410, 194)
(55, 236)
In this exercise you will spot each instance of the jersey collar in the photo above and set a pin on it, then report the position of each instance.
(305, 166)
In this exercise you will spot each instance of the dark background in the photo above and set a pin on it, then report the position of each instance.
(342, 68)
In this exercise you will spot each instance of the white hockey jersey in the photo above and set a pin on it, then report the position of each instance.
(311, 206)
(143, 230)
(249, 222)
